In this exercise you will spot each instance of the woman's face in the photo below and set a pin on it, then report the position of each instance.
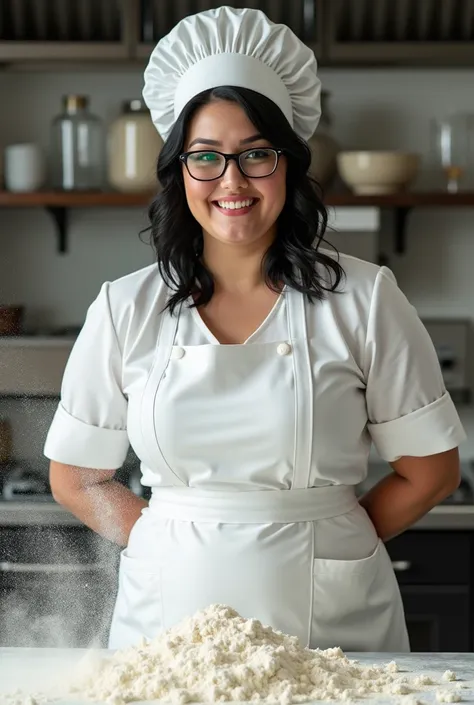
(223, 126)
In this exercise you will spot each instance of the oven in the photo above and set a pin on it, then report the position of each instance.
(57, 586)
(58, 579)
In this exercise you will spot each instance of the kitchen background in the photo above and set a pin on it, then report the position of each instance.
(390, 69)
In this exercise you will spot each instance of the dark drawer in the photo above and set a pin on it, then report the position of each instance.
(431, 558)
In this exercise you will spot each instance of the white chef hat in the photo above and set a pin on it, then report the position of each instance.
(232, 47)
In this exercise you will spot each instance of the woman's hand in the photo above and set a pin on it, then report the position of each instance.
(416, 486)
(99, 501)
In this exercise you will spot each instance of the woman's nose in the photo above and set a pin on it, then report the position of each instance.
(233, 177)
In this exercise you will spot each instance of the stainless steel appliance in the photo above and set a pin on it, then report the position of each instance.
(450, 337)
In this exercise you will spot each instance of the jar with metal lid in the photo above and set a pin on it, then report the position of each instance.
(133, 148)
(78, 151)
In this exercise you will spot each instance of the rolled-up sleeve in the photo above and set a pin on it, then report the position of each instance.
(408, 408)
(89, 428)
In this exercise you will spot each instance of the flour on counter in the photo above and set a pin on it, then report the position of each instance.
(217, 655)
(419, 681)
(448, 696)
(449, 676)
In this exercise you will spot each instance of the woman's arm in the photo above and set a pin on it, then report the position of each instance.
(99, 501)
(407, 494)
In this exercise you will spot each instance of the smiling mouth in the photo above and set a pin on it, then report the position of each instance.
(236, 207)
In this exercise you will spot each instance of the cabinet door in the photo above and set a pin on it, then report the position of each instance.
(44, 30)
(438, 618)
(426, 32)
(158, 17)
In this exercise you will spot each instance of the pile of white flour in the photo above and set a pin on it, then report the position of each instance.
(217, 655)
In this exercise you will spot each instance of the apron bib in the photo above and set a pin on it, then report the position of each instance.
(251, 550)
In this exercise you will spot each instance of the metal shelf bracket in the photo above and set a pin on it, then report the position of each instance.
(60, 216)
(401, 214)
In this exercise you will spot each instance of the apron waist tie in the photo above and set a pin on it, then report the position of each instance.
(253, 507)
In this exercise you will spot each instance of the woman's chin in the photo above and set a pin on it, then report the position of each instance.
(240, 236)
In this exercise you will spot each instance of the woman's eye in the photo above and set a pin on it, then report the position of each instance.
(258, 154)
(204, 157)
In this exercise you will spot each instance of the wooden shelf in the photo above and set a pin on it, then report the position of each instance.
(58, 204)
(403, 199)
(98, 199)
(74, 199)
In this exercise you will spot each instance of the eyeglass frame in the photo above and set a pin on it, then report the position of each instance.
(231, 157)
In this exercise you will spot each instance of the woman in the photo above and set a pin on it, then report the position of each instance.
(250, 370)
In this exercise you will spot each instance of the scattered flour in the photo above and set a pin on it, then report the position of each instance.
(217, 655)
(449, 676)
(419, 681)
(450, 696)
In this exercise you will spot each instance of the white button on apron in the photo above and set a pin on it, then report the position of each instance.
(177, 353)
(284, 349)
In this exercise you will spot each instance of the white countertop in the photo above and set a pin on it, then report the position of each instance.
(48, 513)
(32, 670)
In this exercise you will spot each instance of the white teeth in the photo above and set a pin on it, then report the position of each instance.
(232, 205)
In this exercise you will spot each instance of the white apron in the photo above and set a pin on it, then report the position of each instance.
(251, 550)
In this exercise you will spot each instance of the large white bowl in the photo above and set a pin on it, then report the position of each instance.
(370, 173)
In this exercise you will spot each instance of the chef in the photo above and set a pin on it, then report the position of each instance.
(250, 369)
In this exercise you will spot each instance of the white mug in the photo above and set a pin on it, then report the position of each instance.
(25, 168)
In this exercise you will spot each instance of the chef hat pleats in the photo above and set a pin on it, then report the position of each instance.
(233, 47)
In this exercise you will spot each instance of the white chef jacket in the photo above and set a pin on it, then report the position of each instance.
(376, 378)
(251, 451)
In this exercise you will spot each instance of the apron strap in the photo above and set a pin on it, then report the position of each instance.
(164, 346)
(303, 389)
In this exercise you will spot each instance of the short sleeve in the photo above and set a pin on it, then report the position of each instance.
(409, 410)
(89, 428)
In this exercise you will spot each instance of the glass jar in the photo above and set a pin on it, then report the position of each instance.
(77, 147)
(324, 148)
(452, 144)
(133, 148)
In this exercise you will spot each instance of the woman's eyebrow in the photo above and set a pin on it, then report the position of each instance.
(216, 143)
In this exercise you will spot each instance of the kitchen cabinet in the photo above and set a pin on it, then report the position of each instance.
(33, 366)
(156, 18)
(341, 32)
(76, 30)
(435, 572)
(384, 32)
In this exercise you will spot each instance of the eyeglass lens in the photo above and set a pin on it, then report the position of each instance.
(210, 165)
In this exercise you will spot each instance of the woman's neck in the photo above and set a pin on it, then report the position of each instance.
(235, 268)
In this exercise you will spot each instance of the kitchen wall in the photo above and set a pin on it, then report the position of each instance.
(371, 108)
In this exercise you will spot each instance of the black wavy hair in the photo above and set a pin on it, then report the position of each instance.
(292, 259)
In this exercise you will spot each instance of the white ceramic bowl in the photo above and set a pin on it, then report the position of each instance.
(371, 173)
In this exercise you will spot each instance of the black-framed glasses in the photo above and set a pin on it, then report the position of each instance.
(207, 165)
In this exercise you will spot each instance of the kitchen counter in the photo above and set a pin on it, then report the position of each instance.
(36, 513)
(36, 669)
(47, 513)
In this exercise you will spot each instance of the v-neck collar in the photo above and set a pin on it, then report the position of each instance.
(266, 321)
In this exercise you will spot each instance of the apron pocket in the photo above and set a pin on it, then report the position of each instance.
(357, 604)
(138, 608)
